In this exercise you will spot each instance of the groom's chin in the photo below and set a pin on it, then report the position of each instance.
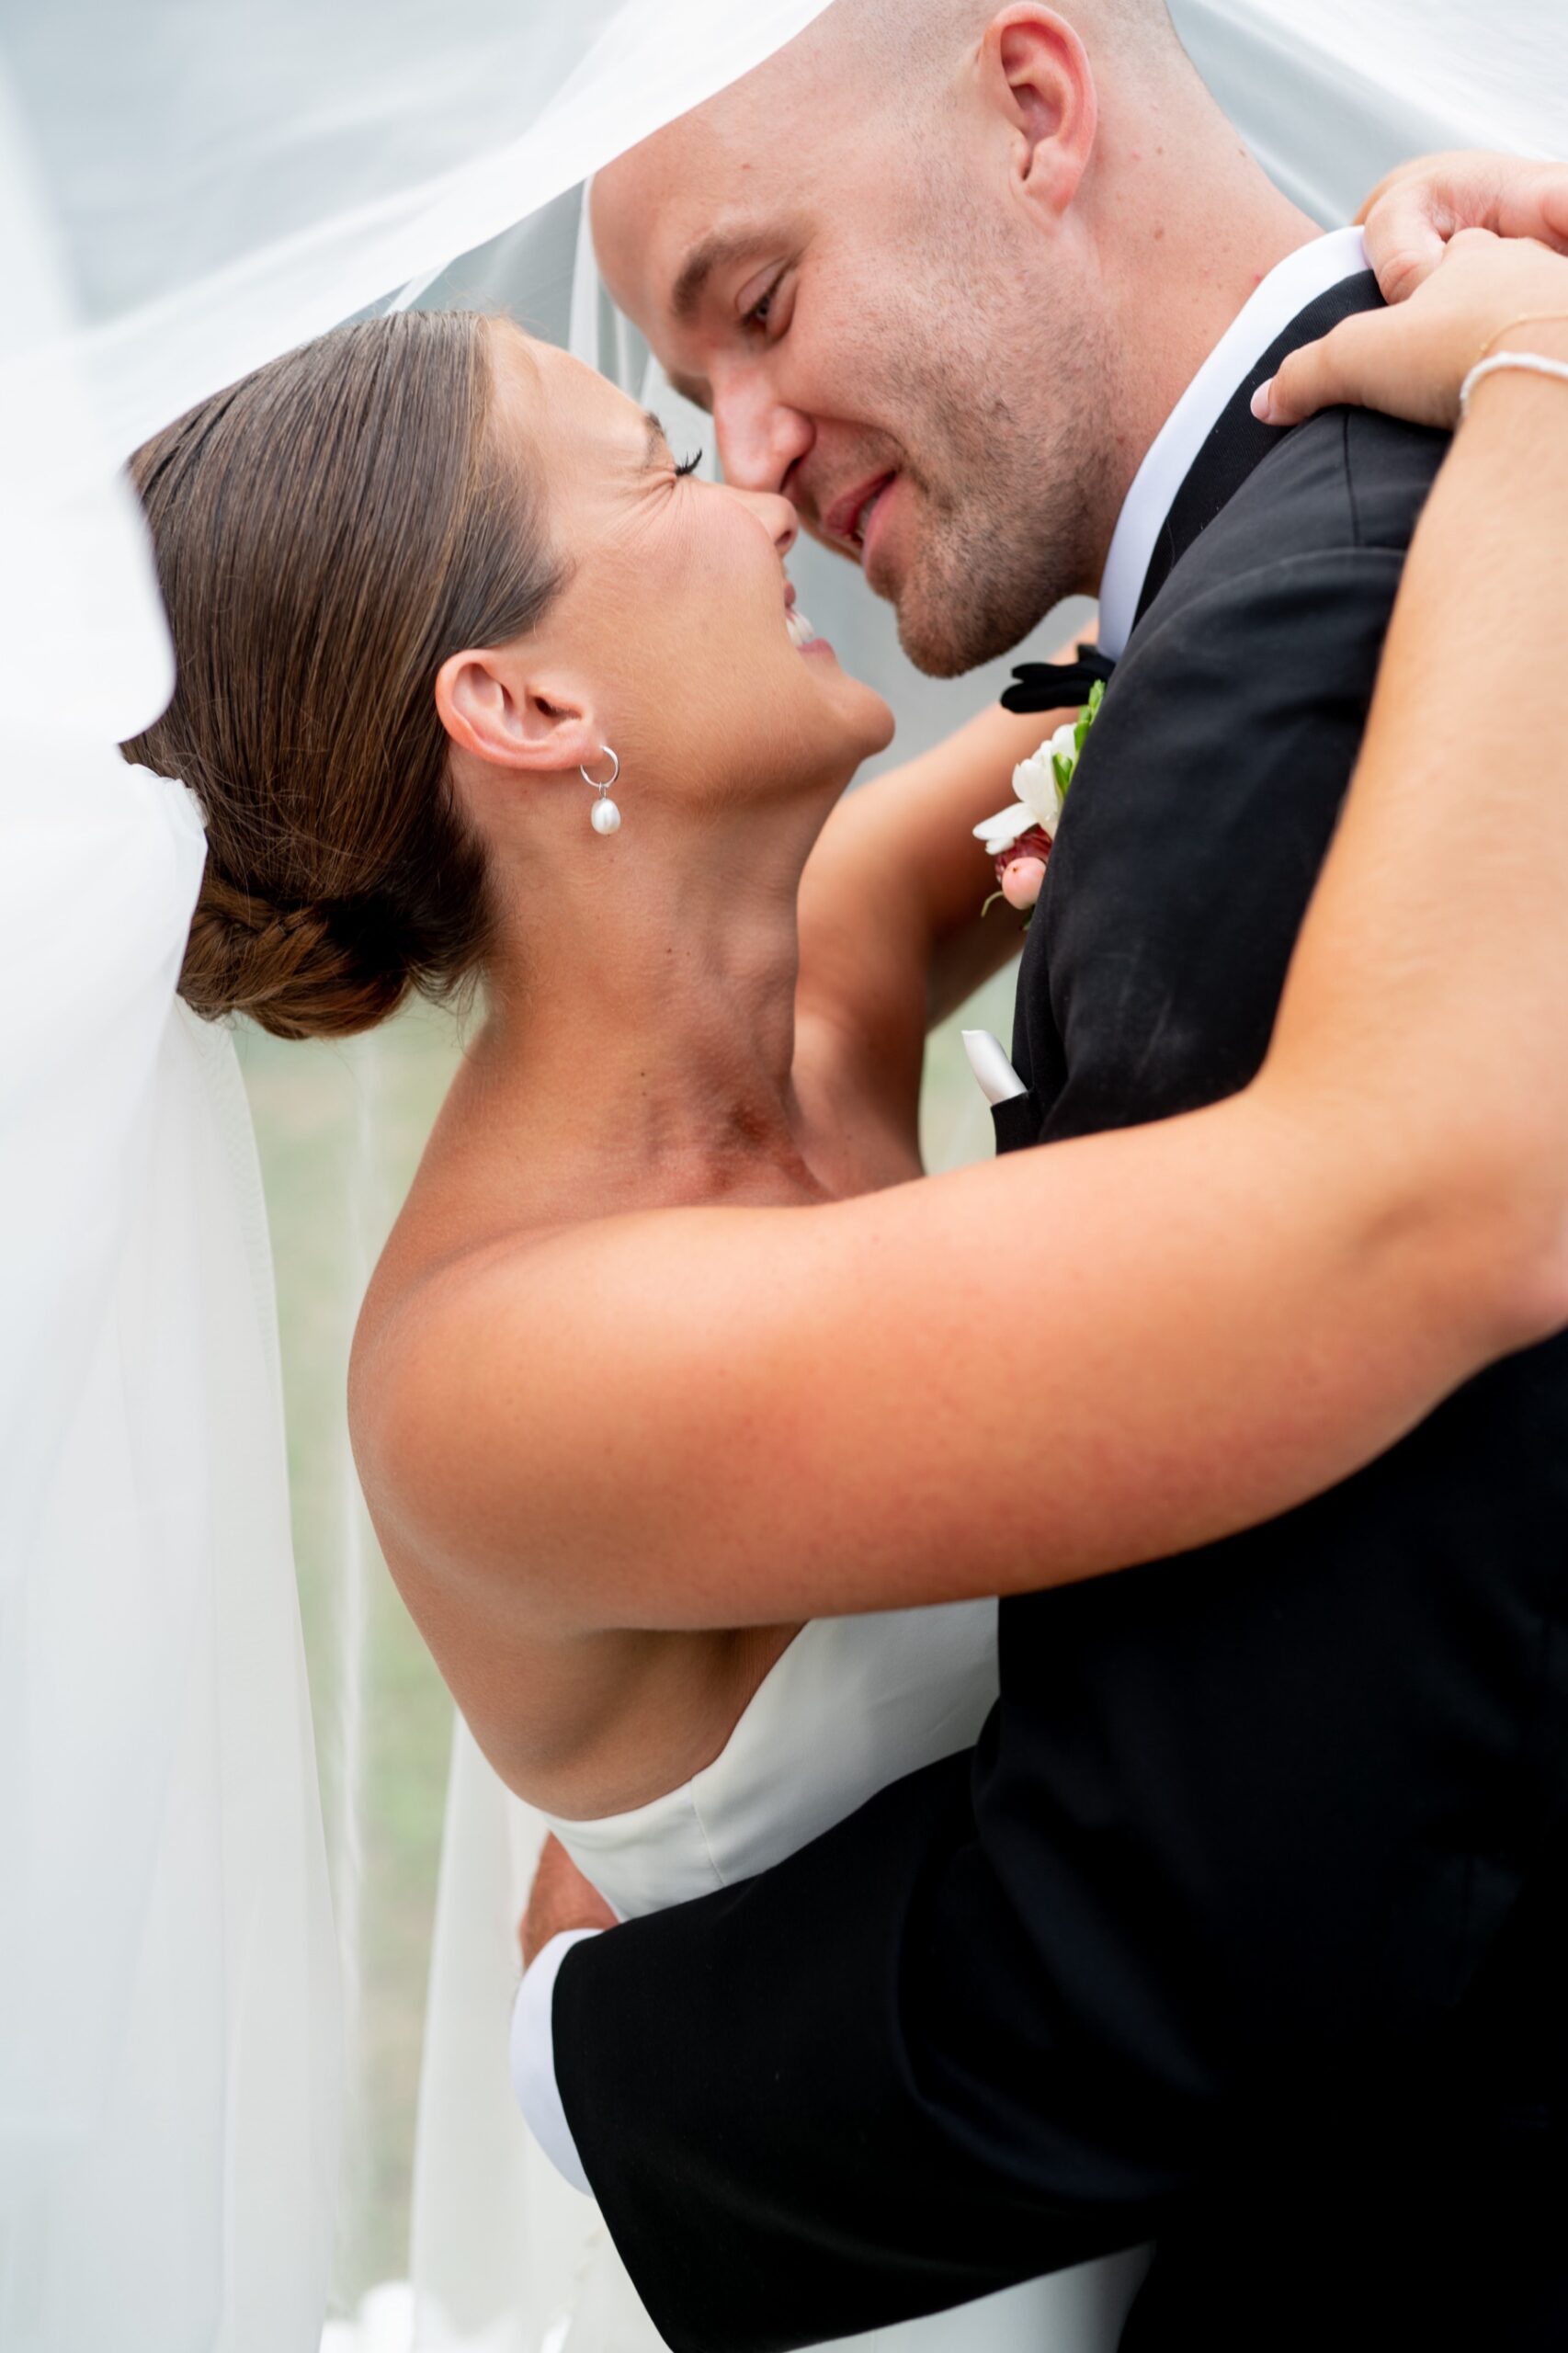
(945, 642)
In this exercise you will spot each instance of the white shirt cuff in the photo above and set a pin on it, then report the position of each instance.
(533, 2058)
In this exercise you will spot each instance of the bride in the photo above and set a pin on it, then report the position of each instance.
(680, 1398)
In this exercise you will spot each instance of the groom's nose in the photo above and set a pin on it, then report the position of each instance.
(759, 438)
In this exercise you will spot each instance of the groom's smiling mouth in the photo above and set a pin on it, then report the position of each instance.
(851, 521)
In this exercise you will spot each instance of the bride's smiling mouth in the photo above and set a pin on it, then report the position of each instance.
(852, 520)
(802, 636)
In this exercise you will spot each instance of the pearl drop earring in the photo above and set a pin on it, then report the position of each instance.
(604, 817)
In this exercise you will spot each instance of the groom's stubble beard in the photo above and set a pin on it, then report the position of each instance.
(1003, 433)
(1002, 536)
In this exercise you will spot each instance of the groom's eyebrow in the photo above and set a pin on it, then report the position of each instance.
(713, 253)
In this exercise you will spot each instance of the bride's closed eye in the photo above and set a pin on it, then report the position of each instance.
(689, 465)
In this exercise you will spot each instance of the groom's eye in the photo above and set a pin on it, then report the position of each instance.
(762, 309)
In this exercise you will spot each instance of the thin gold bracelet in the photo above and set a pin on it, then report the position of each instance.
(1529, 319)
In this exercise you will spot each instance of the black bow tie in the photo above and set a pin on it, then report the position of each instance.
(1058, 686)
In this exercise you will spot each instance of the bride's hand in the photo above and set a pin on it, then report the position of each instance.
(1412, 359)
(1412, 214)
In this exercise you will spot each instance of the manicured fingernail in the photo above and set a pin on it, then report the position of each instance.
(1263, 403)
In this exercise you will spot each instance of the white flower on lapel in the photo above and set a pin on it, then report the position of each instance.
(1040, 796)
(1018, 840)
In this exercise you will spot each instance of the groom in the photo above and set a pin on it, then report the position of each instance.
(1243, 1928)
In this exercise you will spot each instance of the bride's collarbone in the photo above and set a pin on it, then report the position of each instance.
(471, 1214)
(491, 1183)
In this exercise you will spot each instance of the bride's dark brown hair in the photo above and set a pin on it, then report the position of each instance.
(327, 531)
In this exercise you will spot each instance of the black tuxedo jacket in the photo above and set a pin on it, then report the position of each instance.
(1241, 1928)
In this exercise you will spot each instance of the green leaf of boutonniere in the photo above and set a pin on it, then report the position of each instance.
(1065, 769)
(1088, 715)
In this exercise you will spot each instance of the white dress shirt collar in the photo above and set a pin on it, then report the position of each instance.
(1299, 280)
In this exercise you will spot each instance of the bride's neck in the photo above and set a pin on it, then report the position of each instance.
(642, 1006)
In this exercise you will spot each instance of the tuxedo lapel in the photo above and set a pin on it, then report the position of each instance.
(1235, 447)
(1238, 442)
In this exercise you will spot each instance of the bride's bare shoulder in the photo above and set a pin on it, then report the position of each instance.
(439, 1292)
(579, 1712)
(480, 1221)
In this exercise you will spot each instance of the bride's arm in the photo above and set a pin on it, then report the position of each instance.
(893, 936)
(1111, 1348)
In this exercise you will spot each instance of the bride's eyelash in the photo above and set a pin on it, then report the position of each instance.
(689, 465)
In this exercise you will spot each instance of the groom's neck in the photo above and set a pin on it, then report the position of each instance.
(1190, 227)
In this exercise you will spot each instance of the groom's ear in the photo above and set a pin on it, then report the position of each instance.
(1035, 73)
(492, 707)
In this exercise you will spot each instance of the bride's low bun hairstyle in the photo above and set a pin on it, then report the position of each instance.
(328, 532)
(302, 972)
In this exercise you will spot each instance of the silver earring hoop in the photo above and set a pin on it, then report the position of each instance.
(604, 816)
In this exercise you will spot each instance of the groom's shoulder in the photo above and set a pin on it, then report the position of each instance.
(1274, 617)
(1350, 484)
(1348, 477)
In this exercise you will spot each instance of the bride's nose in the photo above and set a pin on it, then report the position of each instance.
(775, 515)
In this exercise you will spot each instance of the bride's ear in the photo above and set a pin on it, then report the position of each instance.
(491, 707)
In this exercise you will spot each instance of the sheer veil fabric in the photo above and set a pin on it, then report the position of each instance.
(180, 199)
(182, 196)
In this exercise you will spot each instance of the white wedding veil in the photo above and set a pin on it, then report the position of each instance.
(182, 195)
(185, 193)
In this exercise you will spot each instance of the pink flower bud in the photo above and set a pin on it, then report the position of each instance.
(1036, 843)
(1021, 882)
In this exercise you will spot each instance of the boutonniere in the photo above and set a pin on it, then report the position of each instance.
(1018, 839)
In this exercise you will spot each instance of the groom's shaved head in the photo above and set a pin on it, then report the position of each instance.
(924, 35)
(918, 35)
(889, 261)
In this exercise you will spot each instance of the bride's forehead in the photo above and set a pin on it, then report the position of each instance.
(565, 416)
(551, 384)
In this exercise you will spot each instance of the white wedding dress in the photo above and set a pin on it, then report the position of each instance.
(852, 1704)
